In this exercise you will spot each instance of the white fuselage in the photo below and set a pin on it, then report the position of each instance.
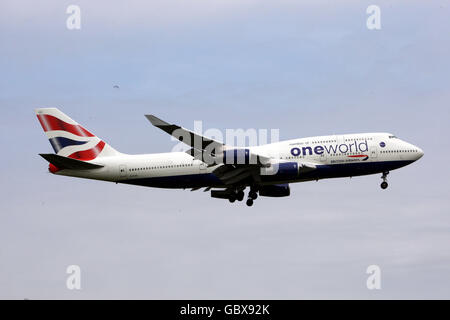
(334, 156)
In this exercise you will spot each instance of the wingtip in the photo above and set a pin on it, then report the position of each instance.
(155, 120)
(45, 156)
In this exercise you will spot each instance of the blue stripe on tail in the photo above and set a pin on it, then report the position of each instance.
(60, 142)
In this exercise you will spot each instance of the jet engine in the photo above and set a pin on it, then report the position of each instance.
(275, 190)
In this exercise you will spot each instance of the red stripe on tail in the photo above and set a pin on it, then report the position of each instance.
(50, 123)
(89, 154)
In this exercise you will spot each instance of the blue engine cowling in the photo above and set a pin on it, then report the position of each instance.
(275, 190)
(287, 170)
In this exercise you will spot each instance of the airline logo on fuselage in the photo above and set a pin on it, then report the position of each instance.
(331, 149)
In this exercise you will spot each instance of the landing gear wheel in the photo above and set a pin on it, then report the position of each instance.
(240, 195)
(232, 199)
(252, 194)
(249, 202)
(384, 184)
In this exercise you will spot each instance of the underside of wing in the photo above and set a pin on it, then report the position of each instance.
(254, 174)
(236, 174)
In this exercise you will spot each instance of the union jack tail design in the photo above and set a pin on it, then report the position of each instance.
(70, 139)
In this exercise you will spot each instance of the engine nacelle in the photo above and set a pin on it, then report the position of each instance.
(221, 194)
(275, 190)
(282, 170)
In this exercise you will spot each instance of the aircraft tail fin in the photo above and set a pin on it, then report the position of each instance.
(70, 139)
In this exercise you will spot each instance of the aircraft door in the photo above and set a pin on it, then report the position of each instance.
(123, 171)
(201, 165)
(373, 152)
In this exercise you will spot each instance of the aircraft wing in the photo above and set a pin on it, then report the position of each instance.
(234, 175)
(190, 138)
(205, 149)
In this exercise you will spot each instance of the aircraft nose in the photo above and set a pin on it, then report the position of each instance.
(420, 153)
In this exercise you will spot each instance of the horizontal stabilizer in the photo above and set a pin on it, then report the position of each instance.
(68, 163)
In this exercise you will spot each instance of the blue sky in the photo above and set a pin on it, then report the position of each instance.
(304, 67)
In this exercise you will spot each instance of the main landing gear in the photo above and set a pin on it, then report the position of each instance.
(238, 195)
(252, 195)
(384, 184)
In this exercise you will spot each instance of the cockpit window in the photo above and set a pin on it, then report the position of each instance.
(393, 137)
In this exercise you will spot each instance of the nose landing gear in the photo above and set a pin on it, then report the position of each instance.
(384, 184)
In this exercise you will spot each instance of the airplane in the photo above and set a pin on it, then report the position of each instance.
(226, 171)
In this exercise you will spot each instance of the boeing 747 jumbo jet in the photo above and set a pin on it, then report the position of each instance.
(267, 169)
